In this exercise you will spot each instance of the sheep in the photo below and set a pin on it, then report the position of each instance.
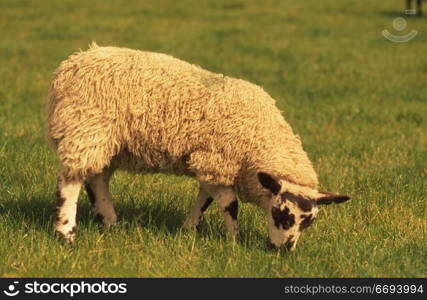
(113, 108)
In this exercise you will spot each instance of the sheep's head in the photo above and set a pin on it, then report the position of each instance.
(292, 208)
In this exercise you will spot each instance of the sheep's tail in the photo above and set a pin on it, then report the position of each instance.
(52, 101)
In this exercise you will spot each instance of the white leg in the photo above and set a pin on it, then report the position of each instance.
(66, 208)
(97, 188)
(227, 203)
(202, 203)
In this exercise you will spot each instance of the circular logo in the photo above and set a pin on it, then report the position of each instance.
(399, 24)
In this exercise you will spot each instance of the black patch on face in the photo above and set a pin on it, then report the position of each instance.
(206, 204)
(90, 194)
(232, 209)
(65, 222)
(307, 221)
(284, 218)
(99, 218)
(304, 204)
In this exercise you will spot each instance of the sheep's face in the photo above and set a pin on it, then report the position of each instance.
(288, 217)
(289, 212)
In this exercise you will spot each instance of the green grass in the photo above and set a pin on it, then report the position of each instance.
(358, 101)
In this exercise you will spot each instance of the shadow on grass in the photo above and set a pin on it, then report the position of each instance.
(34, 211)
(161, 215)
(37, 213)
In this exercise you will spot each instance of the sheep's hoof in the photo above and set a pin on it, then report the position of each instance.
(68, 237)
(190, 224)
(105, 222)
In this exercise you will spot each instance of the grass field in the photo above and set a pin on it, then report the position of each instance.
(358, 101)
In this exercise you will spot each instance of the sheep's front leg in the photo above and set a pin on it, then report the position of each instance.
(97, 189)
(202, 203)
(66, 208)
(227, 203)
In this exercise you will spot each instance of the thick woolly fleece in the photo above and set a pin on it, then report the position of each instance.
(149, 112)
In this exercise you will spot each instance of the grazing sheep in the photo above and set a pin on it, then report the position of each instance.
(116, 108)
(419, 6)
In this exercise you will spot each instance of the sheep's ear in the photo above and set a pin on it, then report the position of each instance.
(270, 182)
(328, 198)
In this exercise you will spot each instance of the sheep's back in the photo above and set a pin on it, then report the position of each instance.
(163, 110)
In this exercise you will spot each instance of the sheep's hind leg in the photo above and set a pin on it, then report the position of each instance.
(66, 208)
(97, 189)
(202, 203)
(227, 203)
